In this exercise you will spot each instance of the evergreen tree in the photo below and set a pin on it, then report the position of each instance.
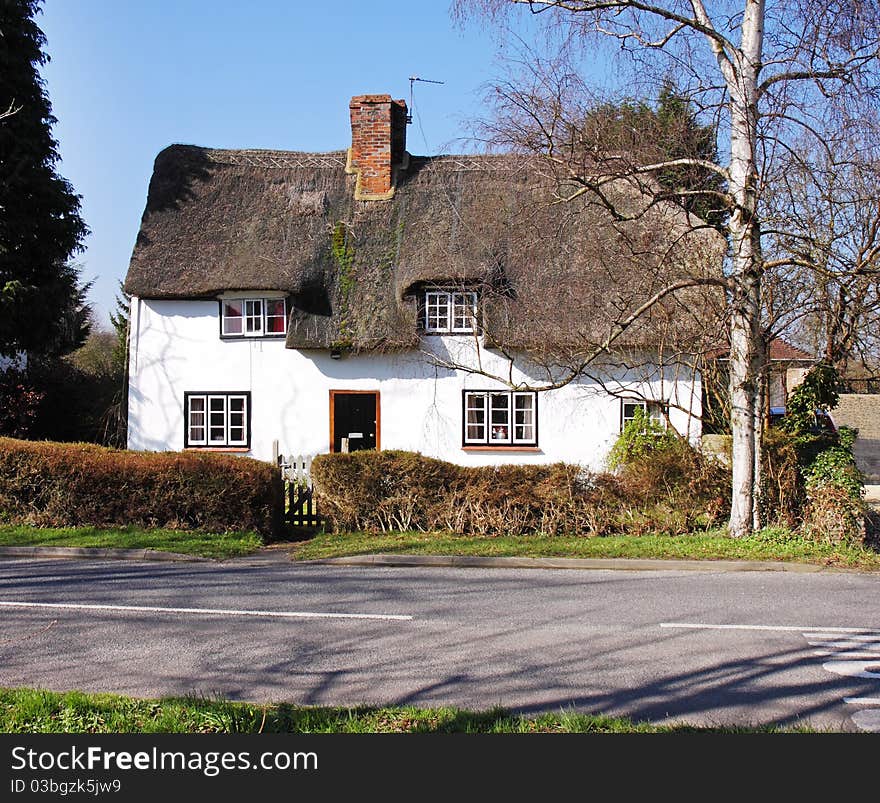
(42, 303)
(661, 132)
(119, 319)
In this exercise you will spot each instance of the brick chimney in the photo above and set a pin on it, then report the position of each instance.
(378, 145)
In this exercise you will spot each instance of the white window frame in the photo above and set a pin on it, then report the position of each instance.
(267, 316)
(254, 312)
(533, 410)
(261, 317)
(203, 441)
(509, 438)
(653, 410)
(451, 300)
(224, 318)
(209, 406)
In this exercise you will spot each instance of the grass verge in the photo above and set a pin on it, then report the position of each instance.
(206, 545)
(36, 711)
(776, 544)
(772, 543)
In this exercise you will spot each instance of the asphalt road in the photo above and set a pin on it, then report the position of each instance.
(795, 647)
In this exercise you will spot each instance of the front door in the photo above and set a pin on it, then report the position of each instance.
(354, 415)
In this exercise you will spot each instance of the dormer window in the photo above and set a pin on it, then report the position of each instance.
(253, 317)
(450, 312)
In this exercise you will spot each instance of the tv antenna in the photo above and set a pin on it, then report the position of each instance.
(412, 80)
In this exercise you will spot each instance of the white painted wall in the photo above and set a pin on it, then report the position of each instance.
(176, 347)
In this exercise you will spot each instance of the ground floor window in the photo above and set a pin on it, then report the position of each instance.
(217, 419)
(500, 418)
(653, 410)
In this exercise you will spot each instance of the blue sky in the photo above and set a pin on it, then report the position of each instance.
(129, 78)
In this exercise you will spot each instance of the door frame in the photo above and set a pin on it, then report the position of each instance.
(334, 393)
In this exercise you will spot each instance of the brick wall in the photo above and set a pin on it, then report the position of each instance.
(378, 142)
(862, 411)
(859, 410)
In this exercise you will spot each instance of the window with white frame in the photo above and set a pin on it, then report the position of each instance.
(217, 419)
(450, 312)
(500, 418)
(651, 410)
(253, 317)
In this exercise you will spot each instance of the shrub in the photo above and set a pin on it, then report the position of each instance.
(782, 488)
(382, 491)
(676, 479)
(641, 436)
(818, 390)
(833, 515)
(59, 485)
(810, 477)
(834, 486)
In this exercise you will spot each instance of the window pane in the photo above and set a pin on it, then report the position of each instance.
(217, 419)
(437, 312)
(629, 409)
(236, 420)
(524, 417)
(499, 416)
(196, 419)
(475, 417)
(275, 306)
(253, 317)
(232, 320)
(275, 316)
(463, 311)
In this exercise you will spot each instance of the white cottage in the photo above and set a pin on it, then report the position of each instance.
(371, 299)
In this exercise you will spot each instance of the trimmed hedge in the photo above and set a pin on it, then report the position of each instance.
(394, 490)
(49, 484)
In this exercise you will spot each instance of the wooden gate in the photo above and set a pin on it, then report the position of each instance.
(300, 509)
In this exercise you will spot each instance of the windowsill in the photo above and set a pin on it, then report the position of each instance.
(473, 448)
(278, 336)
(424, 333)
(231, 449)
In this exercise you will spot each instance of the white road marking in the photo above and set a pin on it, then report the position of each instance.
(848, 654)
(805, 629)
(847, 644)
(857, 650)
(853, 669)
(209, 611)
(825, 635)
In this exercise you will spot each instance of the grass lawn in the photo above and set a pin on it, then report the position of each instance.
(768, 544)
(35, 711)
(204, 545)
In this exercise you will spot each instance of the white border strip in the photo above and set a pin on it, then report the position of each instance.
(208, 611)
(806, 629)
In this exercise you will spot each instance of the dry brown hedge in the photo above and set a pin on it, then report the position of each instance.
(394, 490)
(51, 484)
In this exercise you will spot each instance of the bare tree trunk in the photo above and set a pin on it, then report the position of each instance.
(744, 334)
(741, 73)
(760, 418)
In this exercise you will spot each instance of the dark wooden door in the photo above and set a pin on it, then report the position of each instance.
(356, 417)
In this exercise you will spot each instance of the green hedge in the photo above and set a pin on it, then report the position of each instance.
(51, 484)
(393, 490)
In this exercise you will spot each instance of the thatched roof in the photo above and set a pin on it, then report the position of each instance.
(219, 220)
